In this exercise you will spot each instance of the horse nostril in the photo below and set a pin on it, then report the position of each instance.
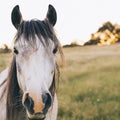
(44, 98)
(29, 104)
(47, 100)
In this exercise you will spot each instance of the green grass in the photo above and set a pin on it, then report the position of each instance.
(89, 87)
(90, 84)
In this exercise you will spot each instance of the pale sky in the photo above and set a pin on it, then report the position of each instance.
(77, 19)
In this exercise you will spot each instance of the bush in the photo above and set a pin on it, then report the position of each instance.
(5, 49)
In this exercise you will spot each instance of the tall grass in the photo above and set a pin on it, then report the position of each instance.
(90, 84)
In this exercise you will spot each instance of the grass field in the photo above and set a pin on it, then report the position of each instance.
(89, 87)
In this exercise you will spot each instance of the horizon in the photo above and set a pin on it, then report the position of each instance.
(76, 21)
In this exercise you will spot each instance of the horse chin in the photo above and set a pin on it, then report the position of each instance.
(36, 119)
(38, 116)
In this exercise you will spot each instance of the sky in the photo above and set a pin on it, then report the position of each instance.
(76, 19)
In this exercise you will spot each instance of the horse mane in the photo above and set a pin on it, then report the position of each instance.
(29, 29)
(13, 105)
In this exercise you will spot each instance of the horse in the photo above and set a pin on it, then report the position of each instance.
(28, 84)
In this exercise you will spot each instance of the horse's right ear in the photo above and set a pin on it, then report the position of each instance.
(16, 16)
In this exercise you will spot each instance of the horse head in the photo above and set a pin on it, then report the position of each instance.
(32, 72)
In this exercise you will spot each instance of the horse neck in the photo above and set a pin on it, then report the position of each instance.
(3, 97)
(3, 94)
(3, 76)
(3, 83)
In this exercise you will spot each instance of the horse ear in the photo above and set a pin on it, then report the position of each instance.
(16, 16)
(51, 15)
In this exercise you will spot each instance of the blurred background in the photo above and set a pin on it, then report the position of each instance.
(89, 31)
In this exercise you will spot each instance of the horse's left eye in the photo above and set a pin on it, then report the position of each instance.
(16, 51)
(55, 50)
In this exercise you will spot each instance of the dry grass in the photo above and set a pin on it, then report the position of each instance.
(90, 84)
(4, 60)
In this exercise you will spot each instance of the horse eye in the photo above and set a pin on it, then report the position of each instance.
(55, 50)
(15, 51)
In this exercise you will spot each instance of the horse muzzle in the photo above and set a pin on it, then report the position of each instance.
(36, 105)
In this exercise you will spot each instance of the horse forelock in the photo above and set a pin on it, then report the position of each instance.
(29, 30)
